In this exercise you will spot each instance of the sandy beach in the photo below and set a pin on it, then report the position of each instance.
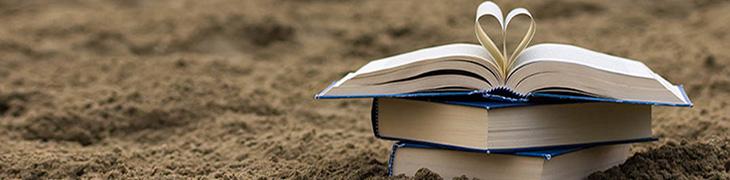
(224, 89)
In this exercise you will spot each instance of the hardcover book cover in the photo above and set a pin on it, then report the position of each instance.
(506, 95)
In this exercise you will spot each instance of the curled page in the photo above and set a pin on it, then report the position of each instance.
(525, 39)
(490, 9)
(504, 61)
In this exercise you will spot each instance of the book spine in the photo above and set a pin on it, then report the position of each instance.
(374, 118)
(391, 158)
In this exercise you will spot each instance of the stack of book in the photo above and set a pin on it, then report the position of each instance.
(549, 111)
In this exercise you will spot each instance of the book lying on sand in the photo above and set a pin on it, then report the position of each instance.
(498, 127)
(572, 163)
(539, 69)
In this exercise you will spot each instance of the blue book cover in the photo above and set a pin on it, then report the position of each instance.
(506, 95)
(487, 105)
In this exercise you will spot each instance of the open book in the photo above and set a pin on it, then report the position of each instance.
(538, 69)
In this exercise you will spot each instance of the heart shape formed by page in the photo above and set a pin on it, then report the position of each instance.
(499, 55)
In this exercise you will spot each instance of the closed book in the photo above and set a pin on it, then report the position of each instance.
(497, 126)
(565, 163)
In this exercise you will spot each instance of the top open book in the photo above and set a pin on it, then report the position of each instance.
(548, 70)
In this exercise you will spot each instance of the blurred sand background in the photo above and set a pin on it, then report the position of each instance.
(223, 89)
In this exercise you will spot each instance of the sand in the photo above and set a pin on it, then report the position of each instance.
(224, 89)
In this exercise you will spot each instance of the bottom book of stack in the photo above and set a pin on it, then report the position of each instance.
(561, 163)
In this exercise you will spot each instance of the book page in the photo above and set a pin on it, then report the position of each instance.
(449, 50)
(577, 55)
(674, 89)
